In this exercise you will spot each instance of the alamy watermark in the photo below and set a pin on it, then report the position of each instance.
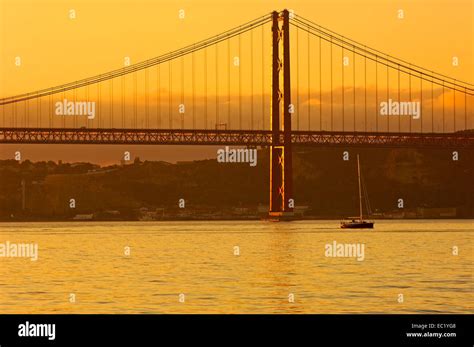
(28, 329)
(78, 108)
(19, 250)
(240, 155)
(345, 250)
(400, 108)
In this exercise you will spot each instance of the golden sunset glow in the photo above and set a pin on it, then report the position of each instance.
(56, 49)
(306, 158)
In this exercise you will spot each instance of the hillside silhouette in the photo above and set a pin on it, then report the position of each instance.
(324, 184)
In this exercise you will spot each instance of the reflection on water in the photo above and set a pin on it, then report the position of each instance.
(197, 259)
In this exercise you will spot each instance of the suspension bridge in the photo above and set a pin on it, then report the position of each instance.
(236, 88)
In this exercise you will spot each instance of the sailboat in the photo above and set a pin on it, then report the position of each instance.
(358, 222)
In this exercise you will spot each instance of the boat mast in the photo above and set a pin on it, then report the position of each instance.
(360, 191)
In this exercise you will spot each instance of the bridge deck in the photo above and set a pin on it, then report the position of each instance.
(231, 137)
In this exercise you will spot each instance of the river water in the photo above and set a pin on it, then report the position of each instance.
(420, 266)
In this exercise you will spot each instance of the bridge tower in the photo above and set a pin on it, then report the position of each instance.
(281, 178)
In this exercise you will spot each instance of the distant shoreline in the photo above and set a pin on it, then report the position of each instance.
(212, 219)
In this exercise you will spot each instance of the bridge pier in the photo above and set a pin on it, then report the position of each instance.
(281, 178)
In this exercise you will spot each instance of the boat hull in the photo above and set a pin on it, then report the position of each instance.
(357, 225)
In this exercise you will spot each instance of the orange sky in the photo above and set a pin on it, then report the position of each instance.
(55, 49)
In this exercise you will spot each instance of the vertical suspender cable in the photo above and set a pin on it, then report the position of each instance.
(398, 82)
(193, 87)
(111, 100)
(443, 107)
(182, 92)
(99, 103)
(228, 83)
(365, 93)
(251, 79)
(240, 85)
(388, 91)
(454, 107)
(432, 106)
(87, 100)
(50, 111)
(332, 108)
(135, 100)
(342, 94)
(421, 102)
(38, 110)
(376, 95)
(309, 84)
(205, 88)
(147, 121)
(320, 89)
(123, 102)
(465, 108)
(158, 96)
(297, 81)
(217, 84)
(122, 82)
(170, 94)
(354, 85)
(409, 93)
(27, 113)
(263, 77)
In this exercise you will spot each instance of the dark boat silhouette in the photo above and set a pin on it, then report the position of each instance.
(358, 222)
